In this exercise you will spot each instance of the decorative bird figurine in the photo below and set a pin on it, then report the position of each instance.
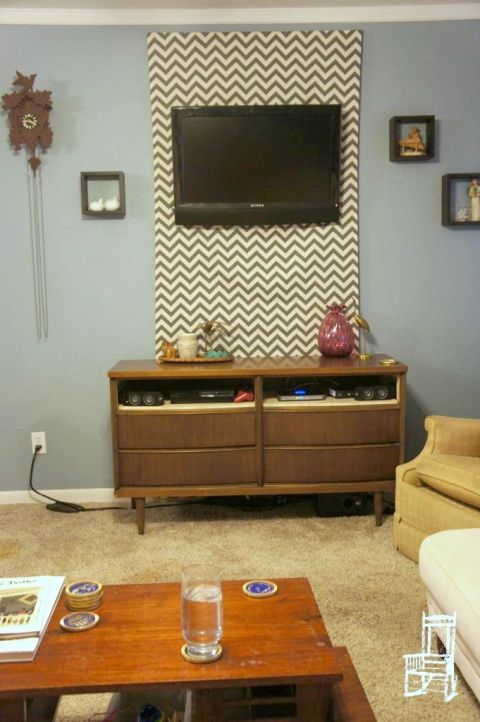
(25, 81)
(209, 329)
(364, 328)
(96, 205)
(112, 204)
(363, 323)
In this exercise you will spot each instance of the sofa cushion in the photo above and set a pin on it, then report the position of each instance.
(455, 476)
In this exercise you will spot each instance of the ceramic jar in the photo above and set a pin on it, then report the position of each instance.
(187, 344)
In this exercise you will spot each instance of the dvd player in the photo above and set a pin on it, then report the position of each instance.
(201, 396)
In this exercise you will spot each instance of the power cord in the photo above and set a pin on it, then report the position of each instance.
(56, 505)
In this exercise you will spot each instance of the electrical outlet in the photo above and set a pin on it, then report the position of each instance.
(39, 439)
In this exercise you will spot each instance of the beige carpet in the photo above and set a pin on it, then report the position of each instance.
(370, 596)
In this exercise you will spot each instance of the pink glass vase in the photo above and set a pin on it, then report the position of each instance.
(335, 337)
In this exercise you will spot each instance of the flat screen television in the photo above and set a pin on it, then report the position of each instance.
(256, 165)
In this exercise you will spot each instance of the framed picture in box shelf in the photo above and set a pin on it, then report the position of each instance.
(461, 200)
(103, 194)
(412, 138)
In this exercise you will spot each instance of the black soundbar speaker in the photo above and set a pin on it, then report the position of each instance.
(142, 398)
(374, 393)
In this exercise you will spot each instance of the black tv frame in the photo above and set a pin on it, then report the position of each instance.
(252, 214)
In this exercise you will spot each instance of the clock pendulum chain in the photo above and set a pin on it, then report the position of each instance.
(38, 250)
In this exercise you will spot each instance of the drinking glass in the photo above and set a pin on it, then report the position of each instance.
(202, 611)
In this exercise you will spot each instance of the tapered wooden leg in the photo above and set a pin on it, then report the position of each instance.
(42, 709)
(208, 705)
(378, 505)
(140, 509)
(38, 709)
(313, 702)
(13, 710)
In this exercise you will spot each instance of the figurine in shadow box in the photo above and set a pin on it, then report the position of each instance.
(212, 330)
(474, 193)
(168, 350)
(412, 144)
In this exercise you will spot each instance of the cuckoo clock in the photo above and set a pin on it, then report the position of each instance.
(28, 111)
(28, 114)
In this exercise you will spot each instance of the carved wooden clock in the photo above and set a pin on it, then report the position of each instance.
(28, 111)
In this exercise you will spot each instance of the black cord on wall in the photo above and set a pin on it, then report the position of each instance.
(56, 505)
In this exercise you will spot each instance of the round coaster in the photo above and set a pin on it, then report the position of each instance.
(85, 606)
(259, 588)
(79, 621)
(84, 589)
(389, 361)
(198, 659)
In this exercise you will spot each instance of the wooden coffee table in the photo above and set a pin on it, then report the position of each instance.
(136, 646)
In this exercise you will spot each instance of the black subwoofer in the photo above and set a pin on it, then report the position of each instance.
(344, 504)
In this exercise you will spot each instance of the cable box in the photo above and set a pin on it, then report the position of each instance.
(201, 396)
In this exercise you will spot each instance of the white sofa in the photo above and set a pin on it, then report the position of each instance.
(449, 566)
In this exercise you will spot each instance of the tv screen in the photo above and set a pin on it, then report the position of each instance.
(256, 165)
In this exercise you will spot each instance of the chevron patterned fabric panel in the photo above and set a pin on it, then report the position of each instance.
(270, 285)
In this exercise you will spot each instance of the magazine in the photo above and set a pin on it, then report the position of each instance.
(26, 606)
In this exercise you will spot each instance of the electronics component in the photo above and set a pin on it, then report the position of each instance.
(332, 505)
(339, 390)
(374, 393)
(201, 396)
(339, 393)
(141, 398)
(301, 397)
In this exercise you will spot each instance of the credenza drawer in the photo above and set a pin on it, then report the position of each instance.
(310, 465)
(180, 431)
(184, 468)
(340, 427)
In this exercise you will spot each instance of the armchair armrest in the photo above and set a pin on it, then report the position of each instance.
(407, 472)
(452, 435)
(445, 435)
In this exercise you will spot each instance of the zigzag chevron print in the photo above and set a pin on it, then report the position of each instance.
(270, 285)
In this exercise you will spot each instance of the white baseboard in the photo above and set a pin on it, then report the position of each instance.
(79, 496)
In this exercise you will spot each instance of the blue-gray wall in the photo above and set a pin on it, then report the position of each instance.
(418, 281)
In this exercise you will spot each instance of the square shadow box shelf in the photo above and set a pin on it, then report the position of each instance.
(459, 208)
(103, 194)
(412, 138)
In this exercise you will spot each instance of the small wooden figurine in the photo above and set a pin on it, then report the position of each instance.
(412, 144)
(167, 349)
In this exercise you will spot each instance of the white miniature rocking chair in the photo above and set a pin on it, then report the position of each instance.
(430, 671)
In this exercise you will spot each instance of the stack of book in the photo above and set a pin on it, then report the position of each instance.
(26, 607)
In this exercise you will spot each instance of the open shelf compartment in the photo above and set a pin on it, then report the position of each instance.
(103, 194)
(412, 138)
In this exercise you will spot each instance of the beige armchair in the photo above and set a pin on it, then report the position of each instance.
(440, 488)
